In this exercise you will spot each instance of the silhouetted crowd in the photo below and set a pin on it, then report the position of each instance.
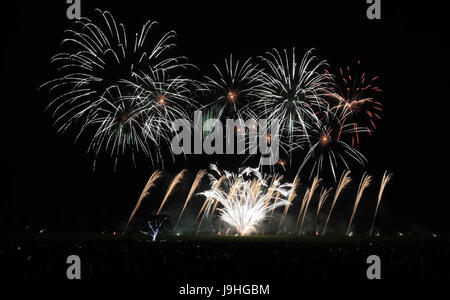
(223, 261)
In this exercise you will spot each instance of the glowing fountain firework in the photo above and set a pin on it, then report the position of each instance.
(384, 181)
(150, 183)
(273, 210)
(292, 195)
(194, 186)
(354, 93)
(175, 181)
(365, 182)
(217, 185)
(93, 88)
(343, 182)
(302, 207)
(310, 193)
(323, 196)
(246, 202)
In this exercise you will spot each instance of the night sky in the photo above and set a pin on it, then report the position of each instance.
(48, 177)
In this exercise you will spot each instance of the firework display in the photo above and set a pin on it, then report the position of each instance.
(126, 93)
(126, 87)
(216, 149)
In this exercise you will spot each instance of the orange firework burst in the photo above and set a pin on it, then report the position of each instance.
(233, 85)
(324, 140)
(355, 93)
(232, 97)
(161, 100)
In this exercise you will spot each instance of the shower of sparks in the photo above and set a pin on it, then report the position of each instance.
(150, 183)
(175, 181)
(343, 182)
(324, 193)
(292, 195)
(217, 185)
(302, 207)
(310, 193)
(386, 178)
(248, 199)
(194, 186)
(365, 182)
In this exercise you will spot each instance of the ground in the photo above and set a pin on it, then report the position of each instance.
(221, 259)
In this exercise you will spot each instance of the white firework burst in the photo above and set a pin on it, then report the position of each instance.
(97, 84)
(326, 140)
(247, 198)
(292, 91)
(233, 87)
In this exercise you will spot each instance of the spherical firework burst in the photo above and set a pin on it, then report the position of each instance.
(166, 100)
(328, 145)
(291, 91)
(140, 121)
(234, 86)
(246, 198)
(97, 84)
(120, 122)
(354, 93)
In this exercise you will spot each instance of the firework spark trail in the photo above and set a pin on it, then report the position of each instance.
(274, 182)
(313, 188)
(292, 195)
(150, 183)
(194, 186)
(200, 213)
(231, 193)
(384, 181)
(172, 186)
(300, 213)
(208, 202)
(365, 182)
(273, 209)
(216, 202)
(244, 206)
(323, 196)
(343, 182)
